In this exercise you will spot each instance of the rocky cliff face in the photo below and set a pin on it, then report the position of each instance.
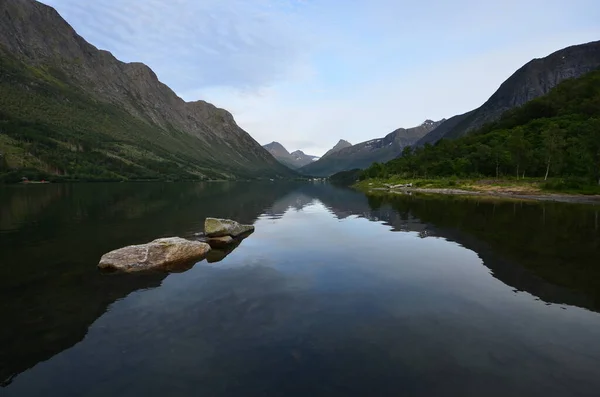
(366, 153)
(531, 81)
(33, 36)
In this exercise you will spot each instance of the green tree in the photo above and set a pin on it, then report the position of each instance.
(499, 154)
(591, 142)
(554, 143)
(518, 147)
(481, 158)
(3, 163)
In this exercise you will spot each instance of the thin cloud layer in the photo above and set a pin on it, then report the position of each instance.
(194, 44)
(307, 73)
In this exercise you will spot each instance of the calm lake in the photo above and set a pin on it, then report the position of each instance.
(335, 294)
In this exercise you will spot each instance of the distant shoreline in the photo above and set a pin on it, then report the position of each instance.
(563, 198)
(502, 190)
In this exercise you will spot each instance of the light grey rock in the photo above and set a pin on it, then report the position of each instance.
(163, 254)
(214, 227)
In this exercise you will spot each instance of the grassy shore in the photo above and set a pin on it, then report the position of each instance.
(525, 187)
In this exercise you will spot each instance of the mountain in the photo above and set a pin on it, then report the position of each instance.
(531, 81)
(444, 128)
(302, 158)
(555, 136)
(71, 111)
(292, 160)
(280, 153)
(342, 144)
(362, 155)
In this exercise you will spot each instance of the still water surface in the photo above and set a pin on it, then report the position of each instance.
(335, 294)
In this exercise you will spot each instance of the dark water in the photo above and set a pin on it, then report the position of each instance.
(335, 294)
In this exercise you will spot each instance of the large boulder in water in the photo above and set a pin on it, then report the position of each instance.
(162, 254)
(214, 227)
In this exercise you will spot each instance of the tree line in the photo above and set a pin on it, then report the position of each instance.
(557, 135)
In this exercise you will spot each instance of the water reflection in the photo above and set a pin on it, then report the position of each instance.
(52, 236)
(551, 250)
(249, 309)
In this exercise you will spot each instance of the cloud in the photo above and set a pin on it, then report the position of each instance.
(193, 43)
(380, 104)
(307, 73)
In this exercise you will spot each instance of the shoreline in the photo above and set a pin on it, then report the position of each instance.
(507, 195)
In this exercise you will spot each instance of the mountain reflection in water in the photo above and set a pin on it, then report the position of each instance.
(53, 297)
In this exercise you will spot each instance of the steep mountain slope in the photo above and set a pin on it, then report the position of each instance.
(438, 133)
(534, 79)
(280, 153)
(292, 160)
(556, 135)
(342, 144)
(72, 110)
(364, 154)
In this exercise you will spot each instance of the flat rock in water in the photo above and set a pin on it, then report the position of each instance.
(214, 227)
(163, 254)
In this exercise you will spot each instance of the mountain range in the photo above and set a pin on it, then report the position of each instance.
(342, 144)
(366, 153)
(69, 110)
(292, 160)
(531, 81)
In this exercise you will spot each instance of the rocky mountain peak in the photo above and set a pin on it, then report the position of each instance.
(293, 160)
(342, 144)
(276, 147)
(363, 154)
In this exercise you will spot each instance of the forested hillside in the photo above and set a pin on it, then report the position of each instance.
(557, 135)
(69, 111)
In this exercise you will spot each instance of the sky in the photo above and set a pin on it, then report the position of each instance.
(307, 73)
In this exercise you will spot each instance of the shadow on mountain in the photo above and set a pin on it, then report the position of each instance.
(54, 235)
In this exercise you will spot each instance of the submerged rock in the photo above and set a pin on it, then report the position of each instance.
(223, 246)
(163, 254)
(221, 242)
(217, 255)
(214, 227)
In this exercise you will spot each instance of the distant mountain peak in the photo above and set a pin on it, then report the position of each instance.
(430, 123)
(362, 155)
(277, 149)
(342, 144)
(293, 160)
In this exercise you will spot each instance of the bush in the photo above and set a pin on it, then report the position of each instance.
(572, 184)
